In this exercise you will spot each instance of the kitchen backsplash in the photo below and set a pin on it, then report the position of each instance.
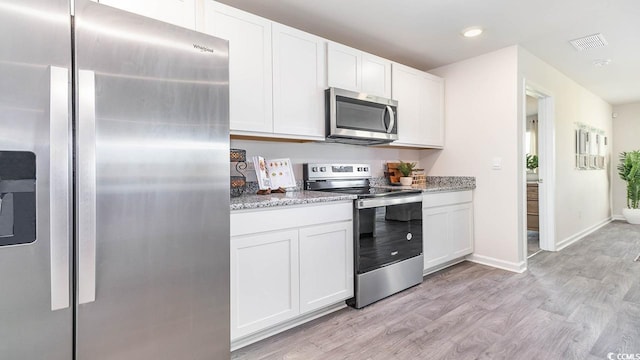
(318, 152)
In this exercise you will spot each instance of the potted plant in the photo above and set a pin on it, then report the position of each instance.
(532, 166)
(629, 171)
(406, 169)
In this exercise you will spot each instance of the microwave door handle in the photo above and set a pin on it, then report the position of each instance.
(392, 117)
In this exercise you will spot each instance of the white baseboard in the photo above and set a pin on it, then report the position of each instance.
(618, 217)
(578, 236)
(519, 267)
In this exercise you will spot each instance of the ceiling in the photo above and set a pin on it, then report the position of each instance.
(426, 33)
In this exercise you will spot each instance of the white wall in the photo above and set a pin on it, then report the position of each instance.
(481, 109)
(313, 152)
(484, 106)
(582, 196)
(626, 128)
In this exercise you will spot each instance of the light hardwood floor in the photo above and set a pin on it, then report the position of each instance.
(580, 303)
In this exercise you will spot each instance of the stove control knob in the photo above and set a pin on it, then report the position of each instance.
(314, 169)
(359, 169)
(323, 169)
(365, 169)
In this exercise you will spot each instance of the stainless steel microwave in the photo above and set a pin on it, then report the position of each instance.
(358, 118)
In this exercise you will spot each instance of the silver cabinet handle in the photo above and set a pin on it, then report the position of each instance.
(86, 186)
(392, 116)
(59, 186)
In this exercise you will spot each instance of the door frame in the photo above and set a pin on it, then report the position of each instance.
(546, 170)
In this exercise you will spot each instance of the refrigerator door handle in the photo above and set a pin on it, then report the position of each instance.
(86, 186)
(59, 186)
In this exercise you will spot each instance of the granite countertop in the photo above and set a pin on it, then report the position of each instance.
(302, 197)
(297, 196)
(440, 184)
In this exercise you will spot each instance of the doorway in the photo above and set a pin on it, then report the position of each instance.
(539, 164)
(532, 177)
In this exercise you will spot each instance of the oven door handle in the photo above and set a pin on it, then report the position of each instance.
(386, 201)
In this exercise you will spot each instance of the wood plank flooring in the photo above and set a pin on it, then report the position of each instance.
(580, 303)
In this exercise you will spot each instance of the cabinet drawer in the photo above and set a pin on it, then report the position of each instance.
(532, 207)
(261, 220)
(446, 198)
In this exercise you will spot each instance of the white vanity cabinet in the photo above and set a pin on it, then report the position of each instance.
(177, 12)
(288, 265)
(356, 70)
(420, 97)
(447, 221)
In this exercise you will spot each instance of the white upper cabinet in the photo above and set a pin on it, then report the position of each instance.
(177, 12)
(298, 83)
(355, 70)
(376, 75)
(420, 99)
(250, 78)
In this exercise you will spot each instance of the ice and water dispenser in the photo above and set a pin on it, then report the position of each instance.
(17, 197)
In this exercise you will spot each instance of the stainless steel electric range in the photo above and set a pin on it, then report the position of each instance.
(387, 229)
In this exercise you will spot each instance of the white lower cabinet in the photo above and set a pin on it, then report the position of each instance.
(264, 281)
(288, 265)
(447, 220)
(326, 265)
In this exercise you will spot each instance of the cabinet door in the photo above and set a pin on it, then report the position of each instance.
(264, 281)
(298, 82)
(461, 229)
(250, 92)
(177, 12)
(435, 236)
(433, 110)
(420, 107)
(326, 265)
(407, 88)
(376, 75)
(344, 67)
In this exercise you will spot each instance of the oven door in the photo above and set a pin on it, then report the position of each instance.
(387, 230)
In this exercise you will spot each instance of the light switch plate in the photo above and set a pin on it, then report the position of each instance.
(496, 163)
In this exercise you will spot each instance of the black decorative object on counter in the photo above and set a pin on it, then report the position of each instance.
(238, 180)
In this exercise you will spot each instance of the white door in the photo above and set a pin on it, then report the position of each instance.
(250, 92)
(177, 12)
(264, 281)
(326, 265)
(298, 82)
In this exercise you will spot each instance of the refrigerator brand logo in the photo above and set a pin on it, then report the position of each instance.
(203, 48)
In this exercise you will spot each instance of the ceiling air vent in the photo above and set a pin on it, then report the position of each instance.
(589, 42)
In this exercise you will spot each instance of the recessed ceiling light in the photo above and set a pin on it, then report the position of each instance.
(472, 31)
(601, 62)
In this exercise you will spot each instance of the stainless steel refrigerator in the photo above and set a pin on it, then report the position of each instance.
(114, 186)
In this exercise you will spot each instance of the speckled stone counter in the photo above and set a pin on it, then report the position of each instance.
(441, 183)
(246, 201)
